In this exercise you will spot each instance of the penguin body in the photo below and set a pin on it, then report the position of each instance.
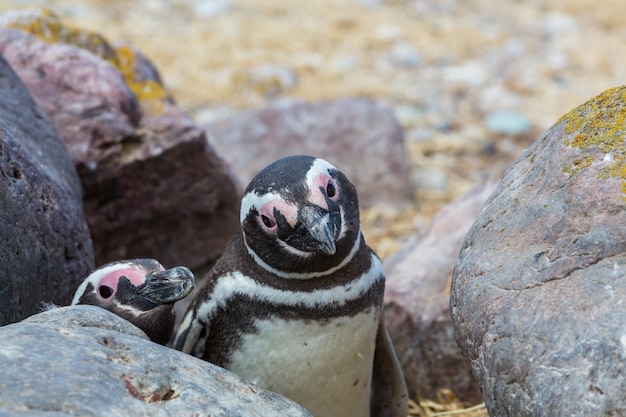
(295, 302)
(141, 291)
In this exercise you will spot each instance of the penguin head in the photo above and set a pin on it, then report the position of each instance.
(140, 290)
(300, 217)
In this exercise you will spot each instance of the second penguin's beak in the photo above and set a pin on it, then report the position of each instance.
(169, 286)
(321, 225)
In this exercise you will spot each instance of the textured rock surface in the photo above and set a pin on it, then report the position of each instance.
(417, 312)
(538, 290)
(83, 360)
(153, 187)
(46, 250)
(360, 136)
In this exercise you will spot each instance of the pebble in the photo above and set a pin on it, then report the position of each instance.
(419, 134)
(430, 179)
(507, 122)
(344, 63)
(557, 24)
(210, 8)
(497, 97)
(269, 79)
(404, 54)
(408, 115)
(388, 32)
(470, 74)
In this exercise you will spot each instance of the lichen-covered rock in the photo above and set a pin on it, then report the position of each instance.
(46, 250)
(417, 303)
(86, 361)
(153, 187)
(538, 289)
(361, 136)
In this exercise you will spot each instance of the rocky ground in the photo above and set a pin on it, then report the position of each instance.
(472, 82)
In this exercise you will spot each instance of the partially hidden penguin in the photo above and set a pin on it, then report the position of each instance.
(295, 304)
(141, 291)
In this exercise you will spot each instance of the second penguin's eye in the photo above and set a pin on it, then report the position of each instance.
(269, 223)
(105, 292)
(331, 190)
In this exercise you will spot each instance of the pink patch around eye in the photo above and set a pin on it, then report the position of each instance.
(267, 212)
(321, 181)
(287, 210)
(111, 280)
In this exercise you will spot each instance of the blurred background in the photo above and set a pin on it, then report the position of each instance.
(472, 82)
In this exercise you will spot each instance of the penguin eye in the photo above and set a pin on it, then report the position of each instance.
(105, 292)
(267, 222)
(331, 189)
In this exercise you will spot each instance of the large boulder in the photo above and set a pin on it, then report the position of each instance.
(361, 136)
(539, 287)
(153, 186)
(84, 360)
(417, 303)
(46, 250)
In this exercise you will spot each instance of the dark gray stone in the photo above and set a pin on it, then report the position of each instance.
(86, 361)
(417, 303)
(46, 250)
(539, 287)
(153, 187)
(361, 136)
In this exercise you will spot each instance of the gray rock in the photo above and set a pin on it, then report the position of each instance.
(538, 289)
(361, 136)
(46, 250)
(83, 360)
(153, 187)
(92, 316)
(417, 313)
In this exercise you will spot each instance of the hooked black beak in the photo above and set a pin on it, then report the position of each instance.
(169, 286)
(321, 225)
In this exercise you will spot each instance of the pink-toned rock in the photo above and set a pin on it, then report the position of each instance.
(86, 98)
(361, 136)
(153, 186)
(417, 309)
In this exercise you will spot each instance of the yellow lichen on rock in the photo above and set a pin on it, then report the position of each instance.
(46, 25)
(149, 92)
(600, 123)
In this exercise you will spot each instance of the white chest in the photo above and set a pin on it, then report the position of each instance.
(326, 368)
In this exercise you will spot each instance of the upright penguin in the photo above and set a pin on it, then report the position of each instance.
(295, 302)
(141, 291)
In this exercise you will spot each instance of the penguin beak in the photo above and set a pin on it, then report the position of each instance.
(169, 286)
(321, 226)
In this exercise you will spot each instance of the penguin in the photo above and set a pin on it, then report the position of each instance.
(141, 291)
(295, 303)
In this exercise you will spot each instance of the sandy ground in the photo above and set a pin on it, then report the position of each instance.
(448, 68)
